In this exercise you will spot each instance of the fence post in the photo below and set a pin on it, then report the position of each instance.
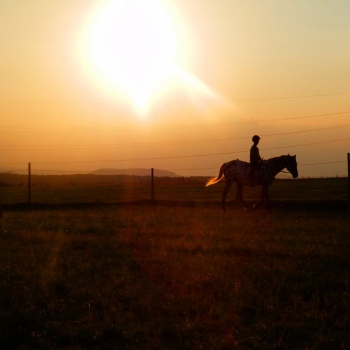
(29, 184)
(152, 183)
(349, 177)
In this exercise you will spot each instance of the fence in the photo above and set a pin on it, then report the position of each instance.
(119, 188)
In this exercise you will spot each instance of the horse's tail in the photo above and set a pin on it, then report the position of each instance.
(217, 179)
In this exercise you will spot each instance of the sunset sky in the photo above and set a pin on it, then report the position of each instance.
(176, 85)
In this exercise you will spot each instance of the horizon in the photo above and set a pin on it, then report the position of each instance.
(148, 172)
(184, 93)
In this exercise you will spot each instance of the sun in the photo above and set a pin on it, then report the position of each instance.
(136, 49)
(131, 47)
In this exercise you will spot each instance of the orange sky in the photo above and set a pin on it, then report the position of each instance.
(175, 85)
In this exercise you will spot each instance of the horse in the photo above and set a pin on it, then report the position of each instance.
(240, 172)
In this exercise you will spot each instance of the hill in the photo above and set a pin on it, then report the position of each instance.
(106, 171)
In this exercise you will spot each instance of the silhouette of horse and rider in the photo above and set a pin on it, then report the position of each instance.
(258, 172)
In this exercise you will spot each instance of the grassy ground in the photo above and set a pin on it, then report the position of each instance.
(187, 189)
(175, 277)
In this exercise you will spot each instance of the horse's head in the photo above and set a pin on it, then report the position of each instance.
(292, 165)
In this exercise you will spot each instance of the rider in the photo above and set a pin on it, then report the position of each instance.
(255, 159)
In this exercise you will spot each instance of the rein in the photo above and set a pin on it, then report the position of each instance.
(285, 172)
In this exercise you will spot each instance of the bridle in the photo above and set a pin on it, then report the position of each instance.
(286, 172)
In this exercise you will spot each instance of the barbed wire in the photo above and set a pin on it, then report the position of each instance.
(4, 130)
(110, 129)
(171, 169)
(152, 144)
(189, 156)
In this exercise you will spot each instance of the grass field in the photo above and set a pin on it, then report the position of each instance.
(177, 275)
(166, 189)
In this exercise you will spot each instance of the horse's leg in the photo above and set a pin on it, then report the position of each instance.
(224, 194)
(267, 198)
(239, 195)
(262, 197)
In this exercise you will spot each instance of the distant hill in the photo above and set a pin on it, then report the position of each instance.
(134, 171)
(112, 171)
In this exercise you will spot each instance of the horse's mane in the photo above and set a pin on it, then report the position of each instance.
(265, 160)
(276, 158)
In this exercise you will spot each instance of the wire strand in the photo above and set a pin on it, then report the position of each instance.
(163, 127)
(191, 156)
(156, 144)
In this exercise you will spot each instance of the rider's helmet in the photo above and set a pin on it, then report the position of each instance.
(255, 138)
